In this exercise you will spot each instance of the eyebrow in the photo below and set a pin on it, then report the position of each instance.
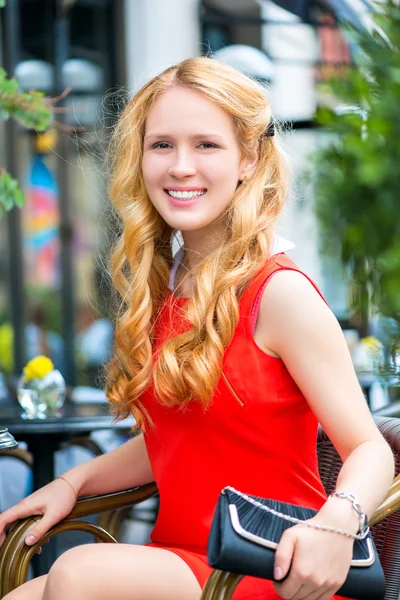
(196, 136)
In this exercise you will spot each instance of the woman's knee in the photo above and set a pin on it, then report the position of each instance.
(31, 590)
(102, 571)
(67, 571)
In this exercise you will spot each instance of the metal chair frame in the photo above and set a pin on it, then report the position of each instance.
(15, 555)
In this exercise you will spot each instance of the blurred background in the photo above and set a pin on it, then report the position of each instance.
(331, 69)
(90, 55)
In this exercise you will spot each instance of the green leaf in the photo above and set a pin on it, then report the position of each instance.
(19, 198)
(7, 201)
(10, 193)
(6, 179)
(31, 109)
(8, 86)
(12, 186)
(2, 3)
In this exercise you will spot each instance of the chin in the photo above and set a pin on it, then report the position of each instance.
(193, 226)
(189, 223)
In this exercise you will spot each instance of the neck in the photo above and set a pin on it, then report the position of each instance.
(198, 245)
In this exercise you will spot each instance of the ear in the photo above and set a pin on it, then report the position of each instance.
(248, 166)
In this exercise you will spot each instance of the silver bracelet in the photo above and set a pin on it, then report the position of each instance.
(357, 507)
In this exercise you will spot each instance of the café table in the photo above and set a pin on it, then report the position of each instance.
(45, 436)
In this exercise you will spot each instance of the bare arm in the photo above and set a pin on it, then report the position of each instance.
(126, 466)
(296, 324)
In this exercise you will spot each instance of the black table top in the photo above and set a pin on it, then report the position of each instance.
(73, 418)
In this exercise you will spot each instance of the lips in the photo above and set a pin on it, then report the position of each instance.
(185, 199)
(186, 188)
(185, 193)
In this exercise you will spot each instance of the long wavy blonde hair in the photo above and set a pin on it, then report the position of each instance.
(188, 366)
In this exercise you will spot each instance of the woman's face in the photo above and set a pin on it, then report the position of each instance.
(191, 159)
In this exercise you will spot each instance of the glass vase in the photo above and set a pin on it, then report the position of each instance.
(41, 397)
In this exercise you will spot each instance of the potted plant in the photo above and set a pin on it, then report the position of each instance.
(358, 178)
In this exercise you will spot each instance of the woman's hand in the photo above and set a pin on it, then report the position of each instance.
(54, 501)
(319, 562)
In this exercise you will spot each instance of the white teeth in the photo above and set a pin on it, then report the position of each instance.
(185, 195)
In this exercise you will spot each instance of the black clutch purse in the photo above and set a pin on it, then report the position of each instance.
(246, 530)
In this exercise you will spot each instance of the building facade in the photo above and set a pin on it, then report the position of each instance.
(54, 288)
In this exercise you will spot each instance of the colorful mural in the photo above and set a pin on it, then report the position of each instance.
(41, 226)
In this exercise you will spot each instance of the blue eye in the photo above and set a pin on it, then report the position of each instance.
(166, 145)
(208, 145)
(161, 145)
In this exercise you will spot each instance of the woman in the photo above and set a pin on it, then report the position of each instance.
(227, 373)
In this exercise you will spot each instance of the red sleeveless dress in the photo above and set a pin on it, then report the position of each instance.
(258, 435)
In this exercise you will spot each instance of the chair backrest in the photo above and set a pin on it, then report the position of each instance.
(386, 533)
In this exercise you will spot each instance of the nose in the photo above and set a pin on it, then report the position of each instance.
(182, 165)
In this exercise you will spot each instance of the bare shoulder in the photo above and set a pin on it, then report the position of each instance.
(291, 291)
(292, 309)
(296, 325)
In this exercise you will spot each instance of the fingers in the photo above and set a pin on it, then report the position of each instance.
(40, 529)
(301, 583)
(304, 584)
(40, 549)
(283, 560)
(308, 592)
(8, 517)
(290, 589)
(327, 595)
(283, 555)
(19, 511)
(316, 569)
(300, 587)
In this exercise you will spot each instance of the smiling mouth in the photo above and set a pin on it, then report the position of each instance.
(185, 195)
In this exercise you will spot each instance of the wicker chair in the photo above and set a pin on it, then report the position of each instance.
(15, 555)
(385, 523)
(111, 521)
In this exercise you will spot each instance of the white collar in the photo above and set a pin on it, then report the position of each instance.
(279, 244)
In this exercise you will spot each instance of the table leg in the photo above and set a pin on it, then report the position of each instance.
(367, 393)
(43, 473)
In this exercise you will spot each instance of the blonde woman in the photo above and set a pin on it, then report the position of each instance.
(228, 357)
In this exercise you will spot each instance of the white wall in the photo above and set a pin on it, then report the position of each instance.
(293, 97)
(295, 48)
(299, 224)
(159, 33)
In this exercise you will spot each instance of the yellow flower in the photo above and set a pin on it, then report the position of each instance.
(38, 367)
(372, 343)
(6, 348)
